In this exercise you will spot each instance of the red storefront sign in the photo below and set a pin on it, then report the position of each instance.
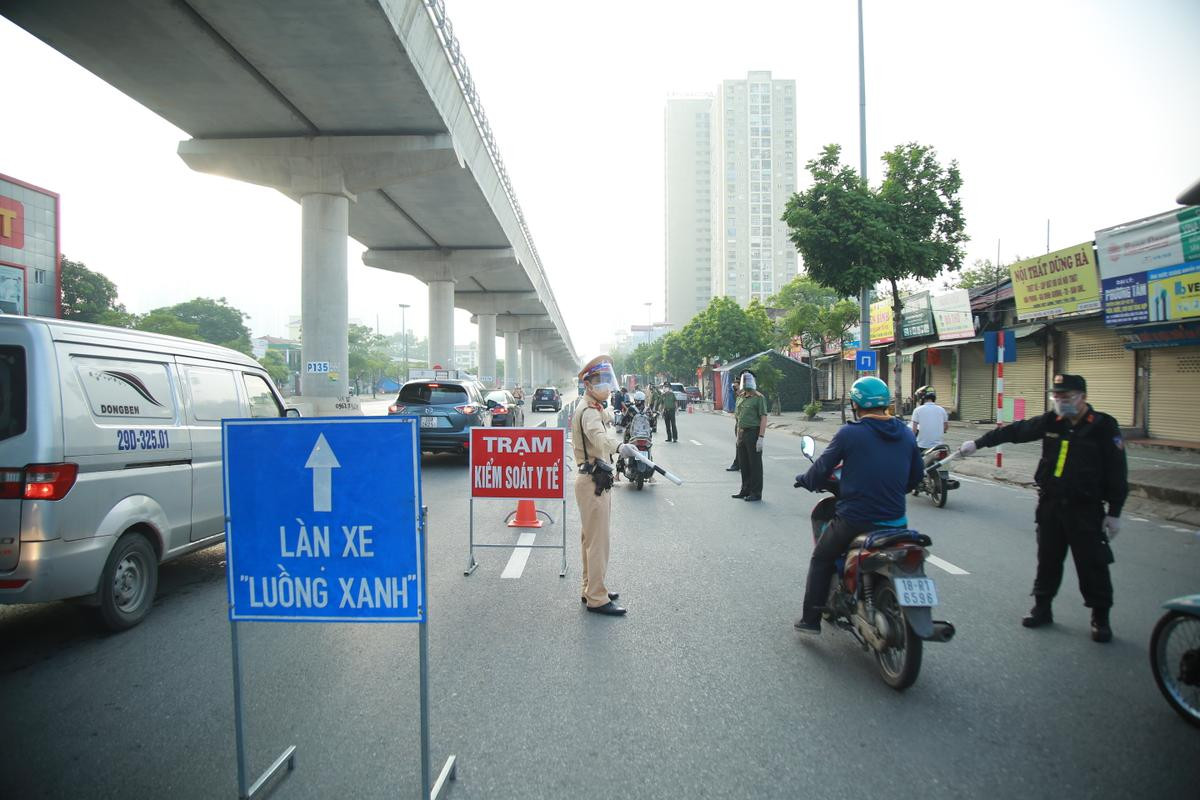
(12, 223)
(519, 463)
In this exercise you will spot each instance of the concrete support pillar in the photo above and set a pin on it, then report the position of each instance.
(324, 228)
(487, 349)
(512, 360)
(527, 368)
(441, 323)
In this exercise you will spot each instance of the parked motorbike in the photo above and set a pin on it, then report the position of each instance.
(1175, 656)
(639, 431)
(882, 596)
(937, 482)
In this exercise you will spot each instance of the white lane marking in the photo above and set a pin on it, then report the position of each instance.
(1176, 528)
(669, 502)
(516, 562)
(946, 565)
(1159, 460)
(1139, 519)
(698, 444)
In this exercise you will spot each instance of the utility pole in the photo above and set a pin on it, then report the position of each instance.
(864, 339)
(404, 335)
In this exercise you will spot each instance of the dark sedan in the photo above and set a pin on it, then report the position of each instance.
(506, 409)
(446, 409)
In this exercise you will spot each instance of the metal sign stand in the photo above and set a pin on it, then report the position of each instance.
(287, 757)
(472, 564)
(449, 770)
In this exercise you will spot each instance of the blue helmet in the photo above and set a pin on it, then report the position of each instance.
(870, 392)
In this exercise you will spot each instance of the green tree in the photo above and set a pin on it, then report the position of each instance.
(214, 321)
(768, 377)
(368, 356)
(276, 366)
(161, 320)
(725, 331)
(803, 289)
(851, 235)
(983, 273)
(89, 296)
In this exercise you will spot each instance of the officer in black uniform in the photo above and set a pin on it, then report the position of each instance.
(1081, 470)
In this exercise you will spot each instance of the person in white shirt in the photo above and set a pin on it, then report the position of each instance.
(929, 421)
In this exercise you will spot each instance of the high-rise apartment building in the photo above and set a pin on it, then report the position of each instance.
(723, 228)
(688, 160)
(753, 175)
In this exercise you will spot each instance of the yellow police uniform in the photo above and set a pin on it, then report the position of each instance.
(593, 422)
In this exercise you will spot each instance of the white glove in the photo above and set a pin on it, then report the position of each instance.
(628, 450)
(758, 445)
(968, 447)
(1112, 526)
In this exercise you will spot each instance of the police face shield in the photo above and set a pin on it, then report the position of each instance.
(601, 377)
(748, 382)
(1067, 404)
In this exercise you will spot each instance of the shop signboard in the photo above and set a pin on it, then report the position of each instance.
(1150, 269)
(882, 328)
(916, 317)
(952, 315)
(853, 342)
(1056, 284)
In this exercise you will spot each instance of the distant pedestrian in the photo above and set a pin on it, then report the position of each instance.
(750, 418)
(1082, 468)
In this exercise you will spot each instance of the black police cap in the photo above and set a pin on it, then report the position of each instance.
(1069, 383)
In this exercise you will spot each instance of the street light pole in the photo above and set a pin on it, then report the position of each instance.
(648, 306)
(864, 299)
(404, 335)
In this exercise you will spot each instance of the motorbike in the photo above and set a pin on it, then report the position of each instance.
(1175, 656)
(881, 595)
(639, 431)
(937, 482)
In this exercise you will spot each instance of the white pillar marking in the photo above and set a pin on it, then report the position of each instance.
(516, 562)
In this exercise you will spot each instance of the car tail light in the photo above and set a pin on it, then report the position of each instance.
(469, 408)
(499, 411)
(395, 409)
(49, 481)
(13, 584)
(12, 483)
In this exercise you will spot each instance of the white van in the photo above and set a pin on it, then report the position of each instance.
(110, 457)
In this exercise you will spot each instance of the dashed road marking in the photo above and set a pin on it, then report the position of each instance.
(1139, 519)
(946, 565)
(516, 562)
(698, 444)
(669, 502)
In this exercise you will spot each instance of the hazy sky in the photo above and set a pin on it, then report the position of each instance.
(1083, 113)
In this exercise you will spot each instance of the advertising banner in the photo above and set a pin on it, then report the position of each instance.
(952, 315)
(1058, 283)
(883, 329)
(916, 317)
(519, 463)
(853, 342)
(1150, 269)
(12, 290)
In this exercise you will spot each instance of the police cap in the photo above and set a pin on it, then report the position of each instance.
(1069, 383)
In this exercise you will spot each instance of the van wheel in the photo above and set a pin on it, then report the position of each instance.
(128, 583)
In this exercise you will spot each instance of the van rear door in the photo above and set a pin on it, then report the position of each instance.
(14, 390)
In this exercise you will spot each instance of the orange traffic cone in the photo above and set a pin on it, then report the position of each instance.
(526, 516)
(691, 410)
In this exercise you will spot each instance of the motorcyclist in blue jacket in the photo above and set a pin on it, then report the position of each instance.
(880, 465)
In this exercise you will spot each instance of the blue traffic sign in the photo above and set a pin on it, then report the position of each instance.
(323, 520)
(865, 361)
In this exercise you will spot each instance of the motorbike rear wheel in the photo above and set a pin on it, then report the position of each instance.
(898, 665)
(1175, 659)
(640, 481)
(937, 489)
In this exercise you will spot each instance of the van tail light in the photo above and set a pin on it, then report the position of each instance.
(38, 481)
(49, 481)
(469, 408)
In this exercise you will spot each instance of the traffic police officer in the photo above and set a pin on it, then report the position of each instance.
(1082, 468)
(667, 402)
(750, 418)
(594, 439)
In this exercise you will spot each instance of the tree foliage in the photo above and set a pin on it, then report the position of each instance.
(163, 321)
(89, 296)
(368, 355)
(852, 235)
(212, 320)
(982, 273)
(276, 366)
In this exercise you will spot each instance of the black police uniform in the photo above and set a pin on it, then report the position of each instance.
(1082, 468)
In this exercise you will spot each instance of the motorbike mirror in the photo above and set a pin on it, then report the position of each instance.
(808, 446)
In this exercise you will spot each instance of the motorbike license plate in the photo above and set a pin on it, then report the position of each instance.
(429, 422)
(916, 592)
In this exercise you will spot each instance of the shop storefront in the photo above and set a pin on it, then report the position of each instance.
(1098, 354)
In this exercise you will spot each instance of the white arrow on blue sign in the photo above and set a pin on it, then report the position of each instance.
(865, 361)
(301, 546)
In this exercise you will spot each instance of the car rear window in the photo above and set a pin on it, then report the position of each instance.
(433, 394)
(12, 391)
(545, 394)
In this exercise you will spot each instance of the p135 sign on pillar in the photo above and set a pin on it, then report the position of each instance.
(520, 463)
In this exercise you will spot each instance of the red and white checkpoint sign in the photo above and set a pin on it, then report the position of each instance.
(521, 463)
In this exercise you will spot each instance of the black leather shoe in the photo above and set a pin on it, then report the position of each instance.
(1038, 616)
(753, 498)
(610, 608)
(734, 468)
(739, 496)
(1101, 632)
(611, 596)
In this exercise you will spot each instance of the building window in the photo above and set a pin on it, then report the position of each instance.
(39, 276)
